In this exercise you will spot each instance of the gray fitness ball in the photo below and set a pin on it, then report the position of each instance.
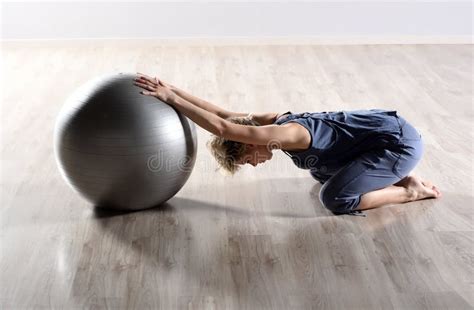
(121, 149)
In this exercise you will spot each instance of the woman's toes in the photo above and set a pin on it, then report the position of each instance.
(427, 183)
(431, 193)
(422, 189)
(435, 190)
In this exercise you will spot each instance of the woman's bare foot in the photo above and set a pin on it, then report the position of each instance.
(420, 189)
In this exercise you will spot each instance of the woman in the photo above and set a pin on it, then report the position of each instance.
(363, 158)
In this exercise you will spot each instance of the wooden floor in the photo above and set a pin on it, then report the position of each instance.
(261, 239)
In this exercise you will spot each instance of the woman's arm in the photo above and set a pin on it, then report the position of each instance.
(147, 82)
(203, 104)
(287, 136)
(261, 118)
(205, 119)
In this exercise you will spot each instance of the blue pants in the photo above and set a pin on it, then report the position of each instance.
(373, 170)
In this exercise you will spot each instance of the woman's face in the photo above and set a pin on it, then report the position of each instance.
(255, 154)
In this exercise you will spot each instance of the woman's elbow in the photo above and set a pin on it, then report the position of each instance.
(221, 129)
(229, 131)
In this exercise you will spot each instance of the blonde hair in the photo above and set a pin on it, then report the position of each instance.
(227, 152)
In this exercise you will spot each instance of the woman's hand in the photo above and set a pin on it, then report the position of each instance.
(155, 87)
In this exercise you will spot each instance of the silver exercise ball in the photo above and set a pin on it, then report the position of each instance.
(121, 149)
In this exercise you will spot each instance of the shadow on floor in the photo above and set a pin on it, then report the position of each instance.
(252, 192)
(213, 249)
(201, 206)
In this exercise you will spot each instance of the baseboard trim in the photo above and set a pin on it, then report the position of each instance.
(219, 41)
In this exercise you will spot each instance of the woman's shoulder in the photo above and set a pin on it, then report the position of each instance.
(288, 116)
(282, 114)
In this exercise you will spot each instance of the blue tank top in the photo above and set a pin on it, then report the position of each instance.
(338, 137)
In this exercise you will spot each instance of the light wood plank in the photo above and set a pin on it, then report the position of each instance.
(260, 239)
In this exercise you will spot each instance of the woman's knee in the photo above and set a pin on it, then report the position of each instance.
(334, 201)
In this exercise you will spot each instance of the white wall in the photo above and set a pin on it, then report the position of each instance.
(443, 20)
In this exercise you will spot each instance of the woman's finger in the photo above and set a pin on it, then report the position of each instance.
(150, 79)
(153, 81)
(143, 80)
(146, 86)
(140, 84)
